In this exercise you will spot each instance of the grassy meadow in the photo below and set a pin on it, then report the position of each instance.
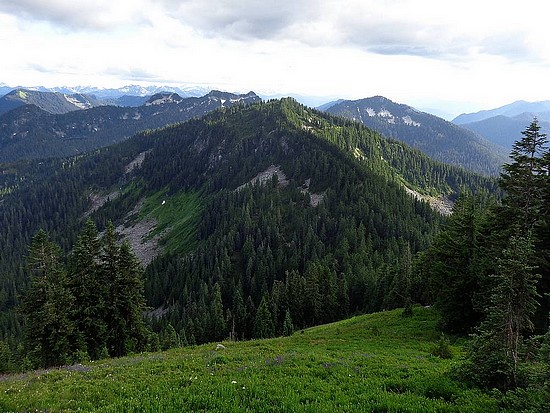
(373, 363)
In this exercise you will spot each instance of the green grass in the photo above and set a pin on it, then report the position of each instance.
(177, 215)
(374, 363)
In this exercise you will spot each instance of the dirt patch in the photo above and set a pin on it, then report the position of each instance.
(144, 246)
(136, 163)
(97, 200)
(138, 234)
(266, 176)
(441, 204)
(314, 199)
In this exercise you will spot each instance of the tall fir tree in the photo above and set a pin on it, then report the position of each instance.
(454, 267)
(126, 327)
(495, 354)
(89, 287)
(524, 179)
(525, 205)
(263, 323)
(47, 306)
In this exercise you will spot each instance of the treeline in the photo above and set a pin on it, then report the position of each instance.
(489, 275)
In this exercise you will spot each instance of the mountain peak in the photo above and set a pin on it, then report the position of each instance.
(164, 98)
(434, 136)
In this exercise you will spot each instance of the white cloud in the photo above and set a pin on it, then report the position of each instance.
(472, 51)
(79, 14)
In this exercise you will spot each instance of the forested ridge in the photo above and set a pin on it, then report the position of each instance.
(331, 234)
(31, 132)
(439, 139)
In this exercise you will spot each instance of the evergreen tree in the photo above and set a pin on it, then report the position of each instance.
(217, 320)
(524, 178)
(454, 266)
(238, 323)
(525, 207)
(288, 327)
(169, 338)
(89, 287)
(263, 324)
(47, 306)
(127, 330)
(496, 351)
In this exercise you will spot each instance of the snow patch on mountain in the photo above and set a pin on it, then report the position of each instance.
(164, 98)
(73, 100)
(408, 121)
(385, 113)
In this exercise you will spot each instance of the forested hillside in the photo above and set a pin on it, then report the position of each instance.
(439, 139)
(29, 132)
(271, 217)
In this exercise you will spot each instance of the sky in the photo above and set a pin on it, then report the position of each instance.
(450, 56)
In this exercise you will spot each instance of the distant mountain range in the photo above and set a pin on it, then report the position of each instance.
(438, 138)
(48, 126)
(112, 93)
(478, 141)
(63, 99)
(503, 125)
(51, 102)
(540, 109)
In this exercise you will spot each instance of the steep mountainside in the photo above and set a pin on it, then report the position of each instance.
(505, 130)
(30, 132)
(269, 208)
(434, 136)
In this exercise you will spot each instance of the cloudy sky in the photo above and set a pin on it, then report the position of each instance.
(454, 56)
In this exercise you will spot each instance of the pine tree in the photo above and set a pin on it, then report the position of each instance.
(288, 327)
(496, 351)
(524, 178)
(217, 320)
(454, 266)
(238, 323)
(47, 306)
(127, 330)
(525, 207)
(169, 338)
(89, 288)
(263, 324)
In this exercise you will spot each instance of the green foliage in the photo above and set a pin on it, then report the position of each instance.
(443, 348)
(342, 253)
(457, 263)
(494, 264)
(92, 310)
(49, 327)
(263, 324)
(288, 327)
(408, 310)
(496, 351)
(319, 370)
